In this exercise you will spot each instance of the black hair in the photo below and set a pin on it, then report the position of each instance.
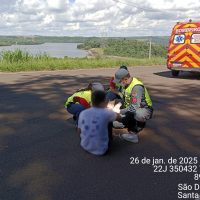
(89, 87)
(124, 67)
(98, 97)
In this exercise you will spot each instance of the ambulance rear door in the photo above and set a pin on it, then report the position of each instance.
(193, 51)
(178, 50)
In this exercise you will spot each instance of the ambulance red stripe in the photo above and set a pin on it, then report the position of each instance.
(193, 49)
(179, 50)
(189, 64)
(193, 60)
(181, 57)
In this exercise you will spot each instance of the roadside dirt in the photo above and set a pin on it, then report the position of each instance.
(93, 53)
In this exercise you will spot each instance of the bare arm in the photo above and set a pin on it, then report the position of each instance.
(79, 130)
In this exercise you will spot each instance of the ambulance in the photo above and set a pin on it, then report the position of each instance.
(184, 48)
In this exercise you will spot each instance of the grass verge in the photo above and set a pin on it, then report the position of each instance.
(99, 50)
(23, 61)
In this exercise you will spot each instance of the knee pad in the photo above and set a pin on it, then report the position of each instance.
(142, 115)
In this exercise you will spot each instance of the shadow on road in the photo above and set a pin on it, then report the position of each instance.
(41, 158)
(182, 75)
(35, 131)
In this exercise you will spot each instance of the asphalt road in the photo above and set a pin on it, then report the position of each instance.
(40, 155)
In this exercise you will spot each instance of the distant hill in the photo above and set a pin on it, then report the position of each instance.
(127, 48)
(163, 40)
(31, 40)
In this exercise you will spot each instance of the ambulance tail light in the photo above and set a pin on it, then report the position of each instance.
(168, 66)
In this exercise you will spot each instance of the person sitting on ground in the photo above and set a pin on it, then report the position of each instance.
(81, 100)
(95, 125)
(114, 91)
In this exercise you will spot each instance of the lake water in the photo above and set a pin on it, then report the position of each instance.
(59, 50)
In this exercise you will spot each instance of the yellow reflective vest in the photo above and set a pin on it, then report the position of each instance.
(127, 92)
(84, 94)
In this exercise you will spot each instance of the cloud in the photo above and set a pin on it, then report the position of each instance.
(91, 17)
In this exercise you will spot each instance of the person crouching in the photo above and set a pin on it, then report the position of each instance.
(81, 100)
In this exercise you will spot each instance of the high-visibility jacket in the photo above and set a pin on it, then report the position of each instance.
(117, 87)
(127, 92)
(83, 94)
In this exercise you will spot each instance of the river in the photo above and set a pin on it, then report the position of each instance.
(59, 50)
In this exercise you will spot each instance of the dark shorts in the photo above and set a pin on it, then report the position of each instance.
(134, 121)
(110, 128)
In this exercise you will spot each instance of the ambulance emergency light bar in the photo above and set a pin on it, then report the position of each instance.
(190, 21)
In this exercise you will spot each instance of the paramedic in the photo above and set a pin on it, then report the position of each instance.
(137, 102)
(81, 100)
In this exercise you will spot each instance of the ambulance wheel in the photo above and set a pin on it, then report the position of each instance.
(175, 73)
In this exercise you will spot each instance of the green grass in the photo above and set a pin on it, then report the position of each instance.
(24, 61)
(21, 56)
(99, 50)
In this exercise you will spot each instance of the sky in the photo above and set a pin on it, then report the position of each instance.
(111, 18)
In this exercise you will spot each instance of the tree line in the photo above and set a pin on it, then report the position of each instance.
(21, 40)
(127, 48)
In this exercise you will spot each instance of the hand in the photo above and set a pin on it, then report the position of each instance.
(118, 105)
(111, 104)
(116, 110)
(121, 95)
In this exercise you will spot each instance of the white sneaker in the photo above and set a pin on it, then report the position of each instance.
(131, 137)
